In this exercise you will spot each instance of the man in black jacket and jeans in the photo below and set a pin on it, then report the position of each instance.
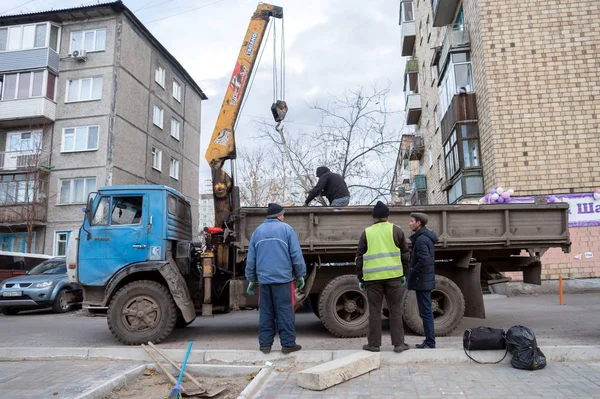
(332, 186)
(421, 275)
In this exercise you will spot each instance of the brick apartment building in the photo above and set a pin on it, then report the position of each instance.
(504, 94)
(89, 98)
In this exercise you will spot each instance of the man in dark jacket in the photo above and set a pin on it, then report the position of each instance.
(421, 275)
(275, 261)
(332, 186)
(381, 256)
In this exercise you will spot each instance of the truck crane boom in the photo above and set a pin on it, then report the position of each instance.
(222, 143)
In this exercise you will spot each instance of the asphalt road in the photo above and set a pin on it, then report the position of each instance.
(575, 323)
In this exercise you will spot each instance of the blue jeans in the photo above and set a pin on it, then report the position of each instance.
(426, 313)
(276, 313)
(344, 201)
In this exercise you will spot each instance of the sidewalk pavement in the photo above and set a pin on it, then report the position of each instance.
(64, 379)
(557, 380)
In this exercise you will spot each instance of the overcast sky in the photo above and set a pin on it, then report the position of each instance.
(331, 46)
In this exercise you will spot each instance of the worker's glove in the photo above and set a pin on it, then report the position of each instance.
(251, 290)
(361, 286)
(403, 280)
(299, 282)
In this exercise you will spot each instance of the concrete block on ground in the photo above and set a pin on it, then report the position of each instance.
(328, 374)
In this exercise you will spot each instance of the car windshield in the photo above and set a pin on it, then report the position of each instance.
(50, 267)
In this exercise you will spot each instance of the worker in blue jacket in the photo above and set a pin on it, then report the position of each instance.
(275, 262)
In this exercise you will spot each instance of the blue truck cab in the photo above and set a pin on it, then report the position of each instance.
(132, 255)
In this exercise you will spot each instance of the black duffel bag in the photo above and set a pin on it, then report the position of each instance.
(484, 338)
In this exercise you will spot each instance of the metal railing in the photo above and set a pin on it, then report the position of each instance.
(15, 160)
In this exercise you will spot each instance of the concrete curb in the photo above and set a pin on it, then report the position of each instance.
(548, 287)
(103, 390)
(257, 382)
(211, 358)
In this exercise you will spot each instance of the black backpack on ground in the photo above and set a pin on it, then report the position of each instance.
(521, 342)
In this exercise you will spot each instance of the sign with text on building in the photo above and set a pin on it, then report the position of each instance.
(584, 210)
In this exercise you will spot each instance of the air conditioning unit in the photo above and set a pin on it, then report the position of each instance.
(79, 55)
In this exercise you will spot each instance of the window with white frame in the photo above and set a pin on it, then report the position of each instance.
(156, 159)
(84, 89)
(176, 91)
(440, 168)
(458, 75)
(24, 37)
(157, 116)
(160, 76)
(76, 191)
(61, 238)
(175, 129)
(430, 156)
(174, 170)
(81, 138)
(88, 40)
(33, 84)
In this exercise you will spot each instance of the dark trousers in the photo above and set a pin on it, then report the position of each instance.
(276, 313)
(392, 290)
(424, 302)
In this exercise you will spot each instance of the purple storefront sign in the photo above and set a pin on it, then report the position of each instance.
(584, 210)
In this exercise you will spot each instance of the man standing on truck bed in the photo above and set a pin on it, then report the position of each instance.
(382, 251)
(421, 275)
(332, 186)
(275, 261)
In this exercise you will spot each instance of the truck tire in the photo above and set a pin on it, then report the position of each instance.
(10, 312)
(448, 305)
(141, 311)
(343, 308)
(60, 302)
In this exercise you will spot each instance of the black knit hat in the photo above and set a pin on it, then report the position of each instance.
(380, 210)
(274, 210)
(421, 217)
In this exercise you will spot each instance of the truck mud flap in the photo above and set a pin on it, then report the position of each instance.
(178, 289)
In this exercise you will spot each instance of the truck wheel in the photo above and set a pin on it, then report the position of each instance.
(60, 303)
(448, 306)
(314, 303)
(10, 312)
(141, 311)
(343, 308)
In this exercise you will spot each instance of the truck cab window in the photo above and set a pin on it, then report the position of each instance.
(126, 210)
(102, 212)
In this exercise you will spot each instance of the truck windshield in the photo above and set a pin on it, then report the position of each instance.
(50, 267)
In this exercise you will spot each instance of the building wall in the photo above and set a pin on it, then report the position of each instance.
(537, 81)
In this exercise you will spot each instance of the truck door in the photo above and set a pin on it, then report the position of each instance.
(118, 237)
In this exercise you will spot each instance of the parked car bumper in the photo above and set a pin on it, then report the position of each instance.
(29, 298)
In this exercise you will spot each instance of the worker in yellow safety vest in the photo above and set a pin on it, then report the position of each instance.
(381, 256)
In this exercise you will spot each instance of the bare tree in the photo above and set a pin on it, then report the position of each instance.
(353, 139)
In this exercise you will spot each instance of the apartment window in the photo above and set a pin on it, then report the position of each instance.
(424, 74)
(156, 159)
(84, 89)
(88, 40)
(24, 37)
(458, 76)
(177, 91)
(175, 129)
(461, 150)
(16, 242)
(18, 189)
(421, 32)
(440, 168)
(28, 85)
(427, 31)
(436, 121)
(61, 238)
(157, 116)
(430, 156)
(76, 191)
(174, 170)
(83, 138)
(160, 76)
(406, 10)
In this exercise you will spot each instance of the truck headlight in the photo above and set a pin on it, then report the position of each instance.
(43, 284)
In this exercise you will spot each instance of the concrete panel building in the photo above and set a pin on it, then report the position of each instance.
(89, 99)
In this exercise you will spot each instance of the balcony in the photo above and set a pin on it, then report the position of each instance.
(462, 109)
(22, 161)
(419, 190)
(417, 148)
(24, 214)
(411, 90)
(37, 111)
(455, 39)
(37, 58)
(412, 108)
(443, 12)
(407, 22)
(19, 206)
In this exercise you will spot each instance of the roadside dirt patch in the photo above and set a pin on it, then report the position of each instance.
(153, 385)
